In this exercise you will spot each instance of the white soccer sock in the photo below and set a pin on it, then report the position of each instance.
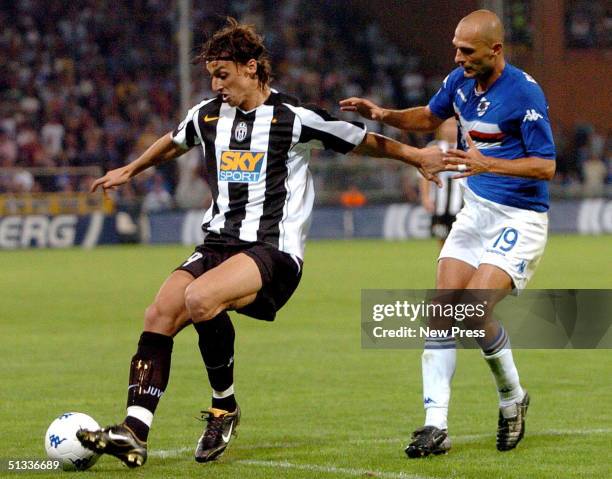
(438, 364)
(141, 413)
(506, 376)
(223, 394)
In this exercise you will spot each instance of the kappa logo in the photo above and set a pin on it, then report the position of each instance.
(482, 107)
(240, 166)
(55, 441)
(241, 132)
(529, 78)
(531, 115)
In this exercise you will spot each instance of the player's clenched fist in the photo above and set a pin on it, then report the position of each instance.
(113, 178)
(364, 107)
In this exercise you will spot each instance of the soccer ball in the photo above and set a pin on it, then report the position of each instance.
(62, 444)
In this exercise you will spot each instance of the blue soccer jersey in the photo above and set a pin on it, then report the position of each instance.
(509, 121)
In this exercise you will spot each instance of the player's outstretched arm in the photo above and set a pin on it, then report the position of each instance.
(472, 162)
(419, 118)
(164, 149)
(429, 161)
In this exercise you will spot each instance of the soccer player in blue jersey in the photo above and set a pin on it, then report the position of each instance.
(506, 153)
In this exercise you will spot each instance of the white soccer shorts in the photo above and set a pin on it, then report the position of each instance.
(510, 238)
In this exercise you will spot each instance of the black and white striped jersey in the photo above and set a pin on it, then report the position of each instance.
(257, 165)
(448, 200)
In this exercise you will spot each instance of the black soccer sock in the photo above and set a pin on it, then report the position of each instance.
(149, 375)
(217, 348)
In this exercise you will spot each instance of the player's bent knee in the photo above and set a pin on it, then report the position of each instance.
(157, 322)
(201, 304)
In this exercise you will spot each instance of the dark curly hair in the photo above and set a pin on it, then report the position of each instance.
(238, 43)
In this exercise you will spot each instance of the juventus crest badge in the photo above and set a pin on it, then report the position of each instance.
(241, 131)
(483, 104)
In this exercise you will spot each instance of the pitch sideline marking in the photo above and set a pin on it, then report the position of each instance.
(304, 467)
(164, 453)
(349, 471)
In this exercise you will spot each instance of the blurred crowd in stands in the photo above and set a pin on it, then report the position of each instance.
(588, 23)
(90, 83)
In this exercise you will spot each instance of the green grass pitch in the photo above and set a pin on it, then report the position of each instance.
(314, 403)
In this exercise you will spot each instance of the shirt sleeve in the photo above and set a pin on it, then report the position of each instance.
(185, 134)
(321, 130)
(441, 104)
(535, 125)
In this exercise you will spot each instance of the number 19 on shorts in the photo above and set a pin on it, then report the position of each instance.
(506, 240)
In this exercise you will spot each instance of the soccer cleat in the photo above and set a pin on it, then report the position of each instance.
(118, 441)
(220, 427)
(428, 440)
(511, 429)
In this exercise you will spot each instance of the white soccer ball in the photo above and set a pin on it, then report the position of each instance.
(62, 444)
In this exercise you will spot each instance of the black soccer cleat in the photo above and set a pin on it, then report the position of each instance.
(221, 426)
(510, 430)
(428, 440)
(118, 441)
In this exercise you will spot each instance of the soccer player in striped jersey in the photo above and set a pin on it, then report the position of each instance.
(256, 144)
(507, 154)
(443, 203)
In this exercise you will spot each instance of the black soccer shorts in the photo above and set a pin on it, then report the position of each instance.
(441, 225)
(280, 272)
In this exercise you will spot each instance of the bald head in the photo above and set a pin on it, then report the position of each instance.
(479, 47)
(481, 26)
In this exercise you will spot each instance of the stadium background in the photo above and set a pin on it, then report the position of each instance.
(86, 86)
